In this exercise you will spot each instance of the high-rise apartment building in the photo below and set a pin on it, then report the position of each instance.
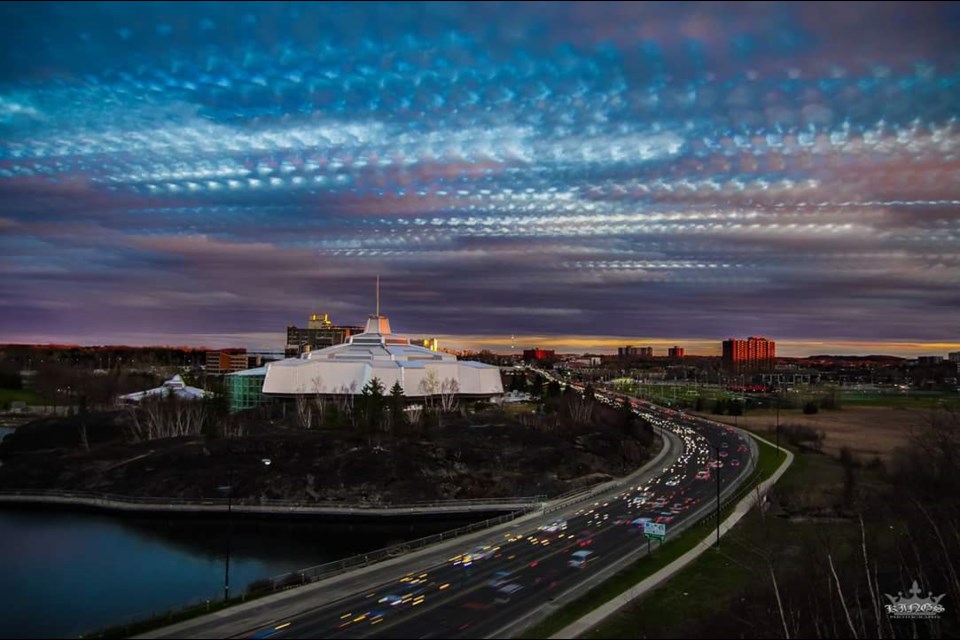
(675, 353)
(630, 351)
(752, 354)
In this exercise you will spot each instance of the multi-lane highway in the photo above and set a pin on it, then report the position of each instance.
(482, 589)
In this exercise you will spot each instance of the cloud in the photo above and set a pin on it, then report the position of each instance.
(673, 171)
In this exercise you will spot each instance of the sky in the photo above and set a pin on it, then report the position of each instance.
(574, 175)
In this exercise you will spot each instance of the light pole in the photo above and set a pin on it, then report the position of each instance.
(717, 448)
(226, 567)
(778, 419)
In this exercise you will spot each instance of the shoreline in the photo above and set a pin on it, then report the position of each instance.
(125, 504)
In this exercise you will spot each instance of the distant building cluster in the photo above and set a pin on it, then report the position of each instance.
(230, 360)
(530, 355)
(319, 333)
(630, 351)
(752, 354)
(954, 356)
(376, 352)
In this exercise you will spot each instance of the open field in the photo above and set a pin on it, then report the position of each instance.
(13, 395)
(686, 395)
(867, 431)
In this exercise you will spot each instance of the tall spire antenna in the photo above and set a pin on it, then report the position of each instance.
(378, 295)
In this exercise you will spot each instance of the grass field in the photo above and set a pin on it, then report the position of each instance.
(13, 395)
(688, 393)
(916, 400)
(868, 431)
(703, 597)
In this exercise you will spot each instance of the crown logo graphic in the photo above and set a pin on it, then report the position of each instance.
(914, 606)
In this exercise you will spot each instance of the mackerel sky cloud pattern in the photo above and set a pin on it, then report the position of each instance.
(208, 173)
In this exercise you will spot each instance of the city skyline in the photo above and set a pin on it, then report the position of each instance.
(572, 176)
(602, 345)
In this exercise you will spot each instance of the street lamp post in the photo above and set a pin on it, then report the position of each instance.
(226, 567)
(778, 419)
(718, 493)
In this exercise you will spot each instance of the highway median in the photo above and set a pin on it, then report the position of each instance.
(569, 619)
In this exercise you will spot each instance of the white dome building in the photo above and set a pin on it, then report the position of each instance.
(377, 353)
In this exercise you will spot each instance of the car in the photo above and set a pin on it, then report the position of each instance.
(703, 475)
(499, 579)
(585, 538)
(734, 463)
(480, 552)
(579, 559)
(390, 599)
(554, 527)
(724, 454)
(639, 522)
(506, 592)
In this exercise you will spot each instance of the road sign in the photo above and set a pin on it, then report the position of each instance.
(655, 530)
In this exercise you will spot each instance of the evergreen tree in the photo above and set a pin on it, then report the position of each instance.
(398, 402)
(589, 393)
(519, 383)
(372, 404)
(736, 408)
(629, 418)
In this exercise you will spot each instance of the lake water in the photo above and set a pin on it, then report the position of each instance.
(64, 573)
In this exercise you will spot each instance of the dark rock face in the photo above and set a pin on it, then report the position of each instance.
(457, 461)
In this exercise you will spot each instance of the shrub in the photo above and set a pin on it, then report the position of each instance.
(802, 436)
(260, 586)
(292, 580)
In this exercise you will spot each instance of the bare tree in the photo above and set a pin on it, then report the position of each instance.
(843, 601)
(166, 417)
(318, 398)
(414, 416)
(83, 436)
(448, 394)
(581, 408)
(304, 408)
(344, 399)
(234, 427)
(429, 386)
